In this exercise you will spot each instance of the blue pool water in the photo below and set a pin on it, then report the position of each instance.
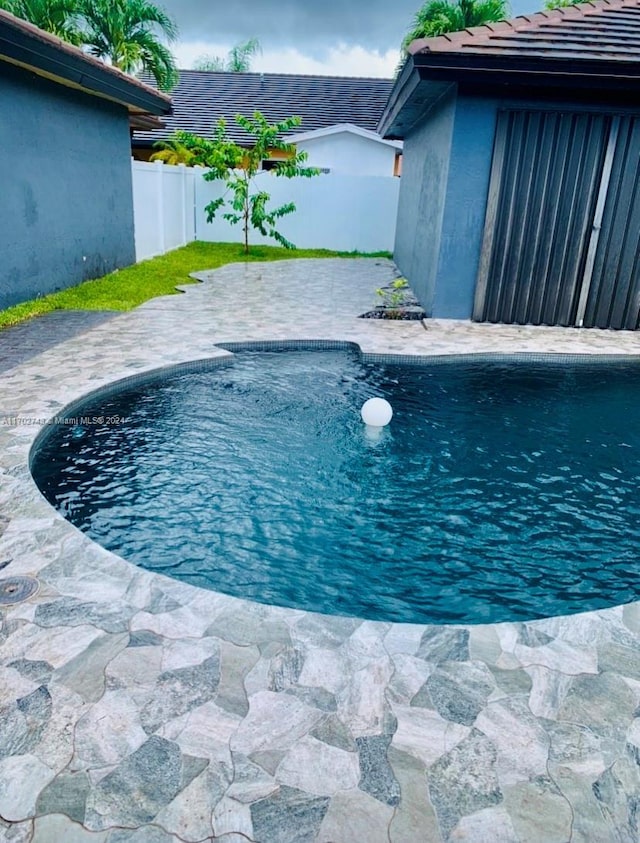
(500, 491)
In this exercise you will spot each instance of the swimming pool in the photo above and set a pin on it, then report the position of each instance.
(502, 490)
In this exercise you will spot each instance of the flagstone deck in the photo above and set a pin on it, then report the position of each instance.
(137, 709)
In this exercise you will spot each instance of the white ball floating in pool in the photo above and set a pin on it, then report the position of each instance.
(376, 412)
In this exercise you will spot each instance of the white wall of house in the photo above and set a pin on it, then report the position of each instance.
(345, 152)
(333, 211)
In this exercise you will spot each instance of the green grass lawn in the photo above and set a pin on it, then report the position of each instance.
(127, 288)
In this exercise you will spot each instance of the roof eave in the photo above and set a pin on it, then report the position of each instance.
(25, 46)
(410, 99)
(427, 76)
(567, 71)
(342, 128)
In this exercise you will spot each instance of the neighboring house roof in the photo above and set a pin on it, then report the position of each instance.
(24, 45)
(602, 30)
(342, 128)
(202, 97)
(575, 49)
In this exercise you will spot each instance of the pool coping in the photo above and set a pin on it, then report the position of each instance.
(295, 723)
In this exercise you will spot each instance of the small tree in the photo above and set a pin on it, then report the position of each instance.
(240, 167)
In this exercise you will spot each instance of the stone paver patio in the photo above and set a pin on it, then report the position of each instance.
(28, 339)
(137, 709)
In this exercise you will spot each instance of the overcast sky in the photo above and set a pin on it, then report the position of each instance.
(337, 37)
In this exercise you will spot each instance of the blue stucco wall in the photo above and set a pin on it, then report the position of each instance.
(443, 197)
(425, 170)
(66, 208)
(445, 182)
(465, 207)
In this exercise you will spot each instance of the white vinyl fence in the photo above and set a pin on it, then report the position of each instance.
(163, 207)
(333, 211)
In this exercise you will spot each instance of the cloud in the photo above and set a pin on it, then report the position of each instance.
(338, 37)
(342, 60)
(306, 26)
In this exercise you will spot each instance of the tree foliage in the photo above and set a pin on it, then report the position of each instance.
(207, 61)
(171, 151)
(60, 17)
(560, 4)
(238, 58)
(240, 168)
(437, 17)
(125, 33)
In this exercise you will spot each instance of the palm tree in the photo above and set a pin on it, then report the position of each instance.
(124, 33)
(60, 17)
(439, 16)
(238, 58)
(173, 151)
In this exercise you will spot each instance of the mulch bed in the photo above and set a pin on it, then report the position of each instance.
(396, 313)
(397, 303)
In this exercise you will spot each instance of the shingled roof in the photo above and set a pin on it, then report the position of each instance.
(604, 29)
(591, 47)
(202, 97)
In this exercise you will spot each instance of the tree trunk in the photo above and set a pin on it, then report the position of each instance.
(246, 217)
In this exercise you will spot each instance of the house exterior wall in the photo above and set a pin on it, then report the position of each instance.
(345, 152)
(443, 197)
(423, 188)
(66, 212)
(465, 207)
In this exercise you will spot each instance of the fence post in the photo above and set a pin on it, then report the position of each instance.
(160, 206)
(183, 202)
(197, 178)
(136, 237)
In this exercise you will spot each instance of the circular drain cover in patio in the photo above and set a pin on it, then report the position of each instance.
(17, 589)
